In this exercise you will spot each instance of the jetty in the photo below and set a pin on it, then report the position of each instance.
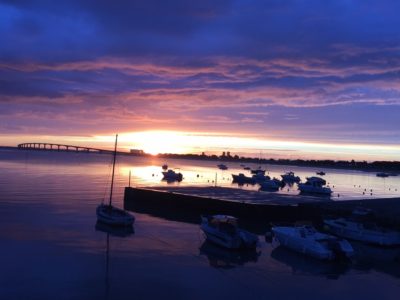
(187, 204)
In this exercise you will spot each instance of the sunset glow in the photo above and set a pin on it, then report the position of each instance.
(222, 76)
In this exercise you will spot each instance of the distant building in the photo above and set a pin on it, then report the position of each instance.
(137, 152)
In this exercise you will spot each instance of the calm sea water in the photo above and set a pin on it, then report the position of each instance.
(50, 246)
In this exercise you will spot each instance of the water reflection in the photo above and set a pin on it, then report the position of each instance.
(219, 257)
(123, 231)
(120, 232)
(381, 259)
(303, 265)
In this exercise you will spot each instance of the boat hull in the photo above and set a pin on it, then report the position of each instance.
(304, 188)
(358, 233)
(114, 216)
(308, 241)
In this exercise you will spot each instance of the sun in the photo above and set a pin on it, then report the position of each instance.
(156, 142)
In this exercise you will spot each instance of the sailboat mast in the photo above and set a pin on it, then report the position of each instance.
(113, 168)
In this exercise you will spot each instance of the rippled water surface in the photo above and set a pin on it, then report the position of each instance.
(50, 247)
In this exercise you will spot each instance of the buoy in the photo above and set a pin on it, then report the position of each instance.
(338, 195)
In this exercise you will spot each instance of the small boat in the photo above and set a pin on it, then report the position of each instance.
(224, 231)
(260, 177)
(222, 167)
(382, 174)
(247, 168)
(108, 214)
(315, 185)
(309, 241)
(242, 179)
(361, 227)
(257, 171)
(321, 173)
(171, 176)
(164, 167)
(269, 185)
(290, 177)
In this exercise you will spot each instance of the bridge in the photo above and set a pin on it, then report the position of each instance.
(62, 147)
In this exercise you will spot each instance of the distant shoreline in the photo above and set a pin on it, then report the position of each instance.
(393, 167)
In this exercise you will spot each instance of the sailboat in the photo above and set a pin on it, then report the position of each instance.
(108, 214)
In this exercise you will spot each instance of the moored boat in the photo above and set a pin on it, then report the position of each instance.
(222, 167)
(290, 177)
(108, 214)
(269, 185)
(224, 231)
(309, 241)
(361, 227)
(171, 175)
(242, 179)
(315, 185)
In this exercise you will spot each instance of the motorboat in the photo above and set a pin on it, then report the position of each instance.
(171, 175)
(247, 168)
(164, 167)
(360, 226)
(222, 167)
(321, 173)
(290, 177)
(307, 240)
(257, 171)
(269, 185)
(260, 178)
(315, 185)
(242, 179)
(224, 231)
(108, 214)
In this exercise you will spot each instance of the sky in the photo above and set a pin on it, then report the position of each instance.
(288, 78)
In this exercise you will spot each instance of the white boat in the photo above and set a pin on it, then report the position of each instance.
(269, 185)
(315, 185)
(222, 167)
(309, 241)
(171, 175)
(290, 177)
(108, 214)
(359, 227)
(224, 231)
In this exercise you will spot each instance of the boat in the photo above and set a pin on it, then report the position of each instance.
(171, 176)
(164, 167)
(222, 167)
(108, 214)
(242, 179)
(290, 177)
(269, 185)
(307, 240)
(260, 177)
(257, 171)
(315, 185)
(224, 231)
(382, 174)
(321, 173)
(360, 226)
(247, 168)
